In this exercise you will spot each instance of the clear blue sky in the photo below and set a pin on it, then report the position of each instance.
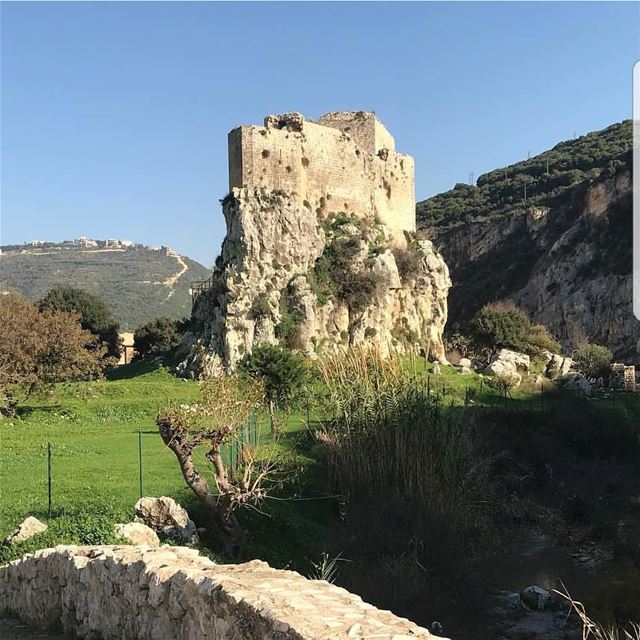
(115, 115)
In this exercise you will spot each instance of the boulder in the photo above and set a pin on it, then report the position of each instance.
(557, 365)
(464, 363)
(137, 533)
(509, 600)
(27, 529)
(166, 517)
(576, 383)
(465, 371)
(520, 361)
(535, 597)
(507, 364)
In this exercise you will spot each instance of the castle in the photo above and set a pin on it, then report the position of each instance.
(321, 251)
(345, 161)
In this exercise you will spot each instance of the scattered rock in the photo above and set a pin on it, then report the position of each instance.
(507, 363)
(576, 383)
(556, 365)
(535, 597)
(137, 533)
(509, 600)
(27, 529)
(166, 517)
(436, 369)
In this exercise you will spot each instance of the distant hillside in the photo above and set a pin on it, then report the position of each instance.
(137, 282)
(552, 233)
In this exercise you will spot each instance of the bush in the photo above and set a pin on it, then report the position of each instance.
(408, 261)
(95, 315)
(500, 326)
(41, 347)
(541, 340)
(594, 361)
(157, 337)
(282, 372)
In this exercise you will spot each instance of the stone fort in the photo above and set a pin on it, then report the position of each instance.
(345, 161)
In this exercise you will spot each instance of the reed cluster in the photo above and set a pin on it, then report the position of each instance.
(390, 436)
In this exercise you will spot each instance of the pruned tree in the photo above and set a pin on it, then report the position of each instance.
(39, 348)
(226, 405)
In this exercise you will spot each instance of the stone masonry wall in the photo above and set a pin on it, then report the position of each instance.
(144, 593)
(346, 161)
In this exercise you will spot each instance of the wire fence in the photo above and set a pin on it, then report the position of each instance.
(144, 464)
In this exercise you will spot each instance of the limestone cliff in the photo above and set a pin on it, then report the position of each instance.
(315, 281)
(564, 254)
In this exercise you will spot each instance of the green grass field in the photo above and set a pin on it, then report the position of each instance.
(93, 430)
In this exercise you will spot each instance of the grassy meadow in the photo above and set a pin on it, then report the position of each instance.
(389, 534)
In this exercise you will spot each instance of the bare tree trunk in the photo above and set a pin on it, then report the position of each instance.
(224, 524)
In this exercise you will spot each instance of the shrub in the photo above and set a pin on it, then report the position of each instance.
(540, 339)
(41, 347)
(157, 337)
(260, 307)
(593, 360)
(282, 372)
(408, 261)
(95, 315)
(498, 326)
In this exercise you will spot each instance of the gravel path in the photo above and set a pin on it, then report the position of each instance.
(15, 630)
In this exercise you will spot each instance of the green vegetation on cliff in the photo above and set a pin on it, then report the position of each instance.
(544, 180)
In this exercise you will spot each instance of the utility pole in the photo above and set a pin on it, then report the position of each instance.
(471, 175)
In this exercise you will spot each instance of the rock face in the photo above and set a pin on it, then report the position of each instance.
(566, 257)
(167, 517)
(27, 529)
(137, 533)
(139, 593)
(341, 268)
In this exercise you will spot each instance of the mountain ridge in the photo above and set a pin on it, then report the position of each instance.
(137, 282)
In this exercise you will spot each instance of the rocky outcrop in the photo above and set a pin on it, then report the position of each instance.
(508, 364)
(552, 234)
(165, 516)
(316, 280)
(27, 529)
(139, 593)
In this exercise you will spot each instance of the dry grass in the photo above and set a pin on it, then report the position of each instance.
(390, 436)
(595, 630)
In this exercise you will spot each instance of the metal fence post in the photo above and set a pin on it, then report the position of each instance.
(49, 476)
(140, 461)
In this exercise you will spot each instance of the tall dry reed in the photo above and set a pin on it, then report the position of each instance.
(390, 436)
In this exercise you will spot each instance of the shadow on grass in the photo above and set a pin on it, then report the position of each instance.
(132, 370)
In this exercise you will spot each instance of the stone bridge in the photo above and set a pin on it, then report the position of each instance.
(166, 593)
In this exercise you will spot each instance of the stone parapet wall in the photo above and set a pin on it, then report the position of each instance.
(142, 593)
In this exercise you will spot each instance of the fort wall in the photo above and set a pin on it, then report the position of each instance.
(345, 162)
